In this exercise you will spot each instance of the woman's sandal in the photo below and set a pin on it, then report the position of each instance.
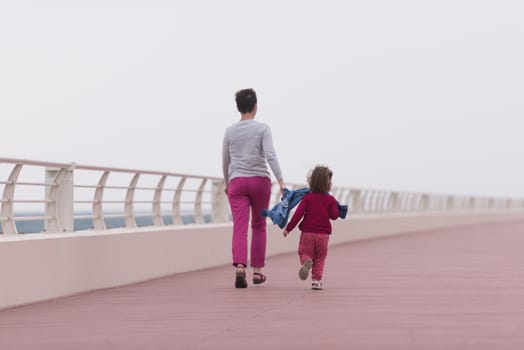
(261, 278)
(240, 278)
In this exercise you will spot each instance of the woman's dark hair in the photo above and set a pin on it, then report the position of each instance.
(246, 100)
(319, 179)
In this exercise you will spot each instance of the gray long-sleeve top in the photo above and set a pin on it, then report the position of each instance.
(247, 146)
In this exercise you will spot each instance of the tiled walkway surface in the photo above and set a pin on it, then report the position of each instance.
(450, 289)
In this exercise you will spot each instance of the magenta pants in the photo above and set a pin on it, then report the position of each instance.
(249, 194)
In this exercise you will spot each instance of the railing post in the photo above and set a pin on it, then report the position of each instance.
(378, 202)
(370, 201)
(7, 212)
(199, 216)
(129, 208)
(401, 200)
(176, 215)
(98, 201)
(366, 198)
(220, 205)
(337, 192)
(158, 220)
(425, 202)
(450, 203)
(459, 203)
(59, 200)
(393, 202)
(356, 201)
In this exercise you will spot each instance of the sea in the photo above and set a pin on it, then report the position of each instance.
(36, 226)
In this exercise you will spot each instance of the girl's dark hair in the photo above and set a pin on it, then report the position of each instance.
(319, 179)
(246, 100)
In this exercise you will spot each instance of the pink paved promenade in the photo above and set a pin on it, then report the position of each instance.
(449, 289)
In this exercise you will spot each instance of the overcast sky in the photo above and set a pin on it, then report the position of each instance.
(401, 95)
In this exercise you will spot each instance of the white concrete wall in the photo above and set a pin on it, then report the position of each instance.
(36, 267)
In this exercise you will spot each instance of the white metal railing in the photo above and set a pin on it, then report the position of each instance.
(77, 197)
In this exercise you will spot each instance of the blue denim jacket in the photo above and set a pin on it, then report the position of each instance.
(279, 214)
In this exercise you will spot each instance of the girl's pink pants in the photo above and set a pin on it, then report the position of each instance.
(249, 194)
(314, 246)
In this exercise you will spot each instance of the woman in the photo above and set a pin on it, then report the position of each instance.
(248, 145)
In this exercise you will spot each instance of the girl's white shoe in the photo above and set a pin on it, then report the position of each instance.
(317, 285)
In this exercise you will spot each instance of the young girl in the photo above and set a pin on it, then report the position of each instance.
(316, 209)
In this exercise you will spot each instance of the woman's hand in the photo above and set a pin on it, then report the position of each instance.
(285, 233)
(282, 186)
